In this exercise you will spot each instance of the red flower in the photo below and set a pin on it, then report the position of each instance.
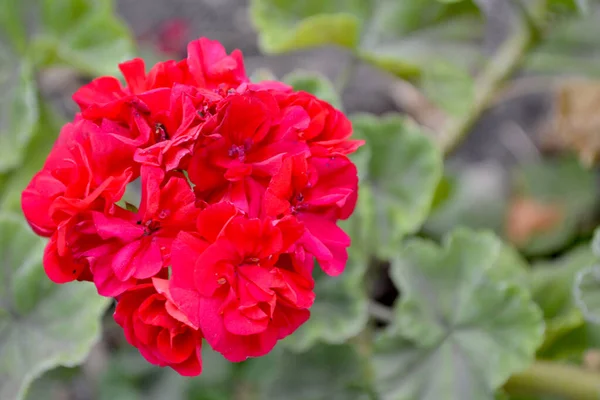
(177, 126)
(242, 186)
(245, 143)
(236, 282)
(144, 237)
(318, 192)
(63, 255)
(210, 66)
(87, 169)
(162, 334)
(329, 130)
(166, 103)
(207, 66)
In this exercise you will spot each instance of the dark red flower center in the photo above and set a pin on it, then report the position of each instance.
(224, 91)
(298, 204)
(239, 150)
(150, 226)
(160, 132)
(207, 109)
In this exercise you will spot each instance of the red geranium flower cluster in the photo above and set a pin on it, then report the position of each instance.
(242, 186)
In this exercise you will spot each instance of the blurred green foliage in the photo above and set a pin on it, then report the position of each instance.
(42, 324)
(470, 313)
(401, 174)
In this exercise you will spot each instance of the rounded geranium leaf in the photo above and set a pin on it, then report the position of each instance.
(84, 34)
(18, 109)
(286, 26)
(511, 267)
(399, 36)
(42, 325)
(325, 372)
(399, 182)
(339, 311)
(550, 202)
(459, 332)
(315, 83)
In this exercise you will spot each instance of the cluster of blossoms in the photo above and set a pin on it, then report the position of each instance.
(242, 185)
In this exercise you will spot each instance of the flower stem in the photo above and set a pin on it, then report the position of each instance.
(498, 69)
(556, 379)
(380, 312)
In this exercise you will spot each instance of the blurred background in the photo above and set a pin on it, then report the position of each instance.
(518, 172)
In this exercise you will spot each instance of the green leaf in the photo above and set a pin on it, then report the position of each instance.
(565, 186)
(315, 83)
(582, 5)
(448, 86)
(596, 243)
(85, 34)
(12, 26)
(551, 282)
(18, 109)
(42, 325)
(451, 36)
(45, 133)
(59, 16)
(443, 192)
(551, 285)
(403, 168)
(325, 372)
(587, 293)
(129, 376)
(286, 25)
(476, 198)
(215, 382)
(459, 332)
(511, 267)
(400, 36)
(562, 6)
(571, 46)
(124, 374)
(53, 383)
(340, 308)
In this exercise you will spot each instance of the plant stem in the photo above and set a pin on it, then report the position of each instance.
(412, 101)
(550, 378)
(501, 67)
(380, 312)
